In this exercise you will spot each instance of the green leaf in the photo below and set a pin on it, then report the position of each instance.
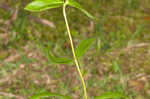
(116, 66)
(52, 58)
(111, 95)
(49, 94)
(75, 4)
(58, 60)
(84, 46)
(41, 5)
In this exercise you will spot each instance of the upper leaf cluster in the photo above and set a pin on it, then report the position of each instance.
(42, 5)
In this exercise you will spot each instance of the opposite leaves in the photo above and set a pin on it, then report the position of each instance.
(42, 5)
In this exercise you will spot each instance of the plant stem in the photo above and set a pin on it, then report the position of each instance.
(73, 50)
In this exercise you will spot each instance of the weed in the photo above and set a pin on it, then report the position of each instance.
(42, 5)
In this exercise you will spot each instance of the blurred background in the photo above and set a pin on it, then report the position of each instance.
(119, 60)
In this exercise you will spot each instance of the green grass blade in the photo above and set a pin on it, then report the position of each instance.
(112, 95)
(75, 4)
(41, 5)
(84, 46)
(49, 94)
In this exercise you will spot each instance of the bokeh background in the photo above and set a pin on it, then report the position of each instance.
(118, 61)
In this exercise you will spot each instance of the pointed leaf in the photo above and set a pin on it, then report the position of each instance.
(52, 58)
(84, 46)
(59, 60)
(111, 95)
(75, 4)
(49, 94)
(41, 5)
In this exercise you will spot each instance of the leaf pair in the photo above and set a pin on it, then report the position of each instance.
(108, 95)
(42, 5)
(80, 51)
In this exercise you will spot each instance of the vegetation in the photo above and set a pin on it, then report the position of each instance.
(32, 54)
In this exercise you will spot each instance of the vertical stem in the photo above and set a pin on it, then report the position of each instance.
(73, 50)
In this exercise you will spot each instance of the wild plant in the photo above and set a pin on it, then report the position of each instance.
(42, 5)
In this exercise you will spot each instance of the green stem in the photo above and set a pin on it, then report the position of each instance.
(73, 50)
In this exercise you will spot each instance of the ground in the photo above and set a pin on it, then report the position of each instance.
(118, 61)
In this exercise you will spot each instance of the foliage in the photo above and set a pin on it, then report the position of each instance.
(84, 46)
(48, 94)
(111, 95)
(42, 5)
